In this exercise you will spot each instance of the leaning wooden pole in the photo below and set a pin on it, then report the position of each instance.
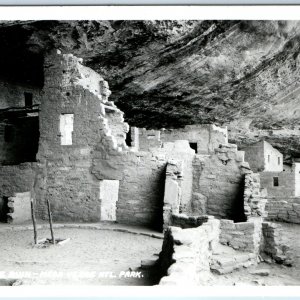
(33, 221)
(50, 222)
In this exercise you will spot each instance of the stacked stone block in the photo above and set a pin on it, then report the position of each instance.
(184, 221)
(284, 209)
(186, 254)
(240, 236)
(218, 181)
(274, 245)
(254, 202)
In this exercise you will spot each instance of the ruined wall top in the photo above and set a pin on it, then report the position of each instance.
(203, 138)
(67, 69)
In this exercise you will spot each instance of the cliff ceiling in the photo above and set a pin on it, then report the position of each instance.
(243, 74)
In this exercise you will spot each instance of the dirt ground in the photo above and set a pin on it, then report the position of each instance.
(100, 255)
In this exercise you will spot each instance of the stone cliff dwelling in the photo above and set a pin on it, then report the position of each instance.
(65, 141)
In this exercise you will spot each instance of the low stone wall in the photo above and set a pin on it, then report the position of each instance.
(184, 221)
(186, 254)
(284, 210)
(244, 236)
(273, 244)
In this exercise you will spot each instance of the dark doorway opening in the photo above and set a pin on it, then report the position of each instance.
(194, 147)
(8, 134)
(128, 139)
(275, 181)
(237, 211)
(21, 138)
(28, 99)
(4, 210)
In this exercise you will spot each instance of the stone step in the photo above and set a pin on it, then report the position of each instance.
(226, 260)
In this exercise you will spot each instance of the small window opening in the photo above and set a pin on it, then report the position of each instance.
(28, 99)
(8, 134)
(278, 160)
(275, 181)
(194, 147)
(269, 158)
(128, 139)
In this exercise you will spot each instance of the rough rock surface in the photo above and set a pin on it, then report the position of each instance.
(243, 74)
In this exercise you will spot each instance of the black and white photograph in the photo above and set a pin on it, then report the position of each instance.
(150, 152)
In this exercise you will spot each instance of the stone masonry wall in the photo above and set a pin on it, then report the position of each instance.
(254, 198)
(263, 157)
(254, 154)
(242, 236)
(65, 176)
(273, 159)
(16, 179)
(286, 209)
(184, 221)
(116, 124)
(145, 139)
(186, 254)
(142, 180)
(296, 167)
(17, 185)
(207, 136)
(141, 190)
(12, 95)
(273, 244)
(180, 151)
(286, 183)
(218, 183)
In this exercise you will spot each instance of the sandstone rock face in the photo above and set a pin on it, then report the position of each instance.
(243, 74)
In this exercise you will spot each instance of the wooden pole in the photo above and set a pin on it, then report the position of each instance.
(33, 221)
(50, 222)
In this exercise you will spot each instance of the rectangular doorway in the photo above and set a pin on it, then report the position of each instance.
(109, 194)
(66, 129)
